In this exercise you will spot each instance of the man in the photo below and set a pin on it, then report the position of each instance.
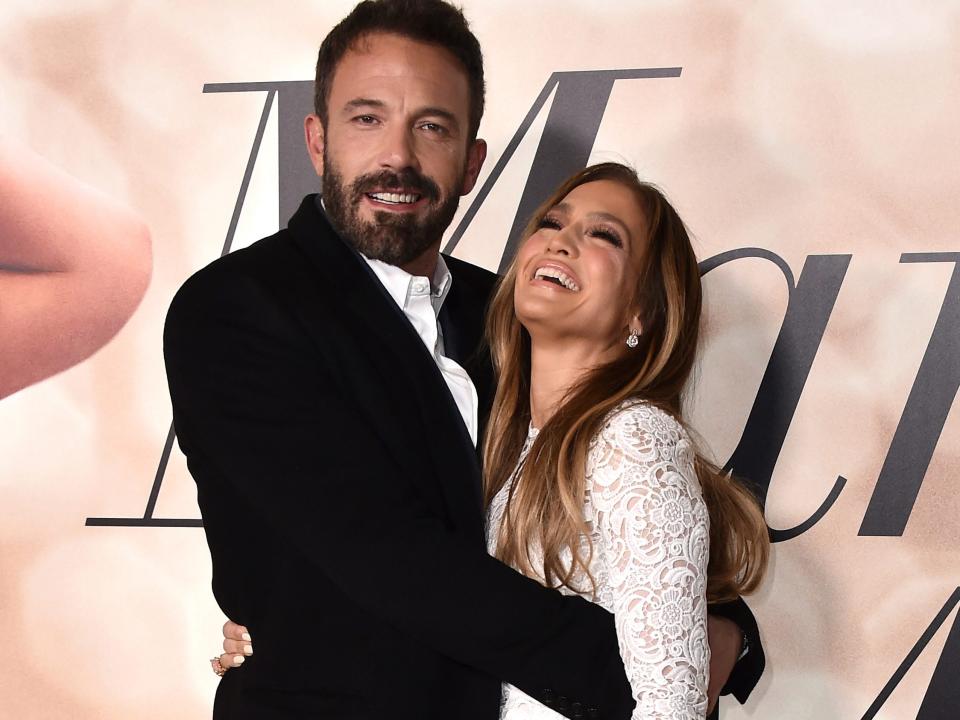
(329, 415)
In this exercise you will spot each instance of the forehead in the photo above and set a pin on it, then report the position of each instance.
(609, 198)
(392, 67)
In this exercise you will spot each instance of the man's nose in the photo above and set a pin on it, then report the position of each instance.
(398, 151)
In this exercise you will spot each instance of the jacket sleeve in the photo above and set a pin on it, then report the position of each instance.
(746, 673)
(268, 421)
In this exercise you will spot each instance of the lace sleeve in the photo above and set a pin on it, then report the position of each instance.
(651, 526)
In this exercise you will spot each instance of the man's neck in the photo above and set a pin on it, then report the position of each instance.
(425, 265)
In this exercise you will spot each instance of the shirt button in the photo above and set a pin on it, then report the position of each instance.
(419, 286)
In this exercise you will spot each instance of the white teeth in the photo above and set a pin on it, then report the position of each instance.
(559, 275)
(396, 198)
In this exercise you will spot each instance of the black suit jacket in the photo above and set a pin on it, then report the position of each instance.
(341, 500)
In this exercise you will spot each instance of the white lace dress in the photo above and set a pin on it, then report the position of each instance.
(650, 532)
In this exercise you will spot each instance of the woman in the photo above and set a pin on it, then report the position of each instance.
(592, 483)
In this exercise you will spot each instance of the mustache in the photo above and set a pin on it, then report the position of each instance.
(407, 179)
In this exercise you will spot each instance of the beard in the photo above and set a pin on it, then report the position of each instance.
(393, 238)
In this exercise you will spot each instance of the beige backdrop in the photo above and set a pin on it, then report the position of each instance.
(805, 128)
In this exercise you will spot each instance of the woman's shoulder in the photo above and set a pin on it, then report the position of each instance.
(639, 434)
(634, 419)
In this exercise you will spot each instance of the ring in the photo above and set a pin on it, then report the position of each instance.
(218, 668)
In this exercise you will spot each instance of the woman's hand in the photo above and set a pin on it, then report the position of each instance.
(237, 644)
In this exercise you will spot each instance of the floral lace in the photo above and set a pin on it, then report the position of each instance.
(650, 532)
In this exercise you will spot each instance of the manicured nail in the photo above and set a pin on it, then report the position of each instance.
(248, 649)
(246, 636)
(238, 659)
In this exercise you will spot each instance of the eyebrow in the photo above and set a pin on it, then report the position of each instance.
(364, 102)
(564, 208)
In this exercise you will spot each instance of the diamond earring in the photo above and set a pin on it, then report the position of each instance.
(633, 339)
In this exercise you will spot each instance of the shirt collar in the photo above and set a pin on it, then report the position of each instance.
(402, 286)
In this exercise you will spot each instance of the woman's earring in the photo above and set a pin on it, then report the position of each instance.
(633, 339)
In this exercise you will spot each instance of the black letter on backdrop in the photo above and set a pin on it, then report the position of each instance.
(943, 694)
(811, 301)
(148, 520)
(924, 415)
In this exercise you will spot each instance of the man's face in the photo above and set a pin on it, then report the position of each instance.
(395, 155)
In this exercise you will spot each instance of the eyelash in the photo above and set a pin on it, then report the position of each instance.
(610, 236)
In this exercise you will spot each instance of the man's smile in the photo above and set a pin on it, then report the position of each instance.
(395, 201)
(395, 198)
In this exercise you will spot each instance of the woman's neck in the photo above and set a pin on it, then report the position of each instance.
(555, 367)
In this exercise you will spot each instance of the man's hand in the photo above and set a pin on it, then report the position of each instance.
(726, 642)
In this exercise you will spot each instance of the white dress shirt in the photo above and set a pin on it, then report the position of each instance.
(421, 300)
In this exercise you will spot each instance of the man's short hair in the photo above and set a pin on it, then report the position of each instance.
(428, 21)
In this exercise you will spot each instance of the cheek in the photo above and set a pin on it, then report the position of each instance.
(610, 273)
(445, 168)
(530, 247)
(617, 292)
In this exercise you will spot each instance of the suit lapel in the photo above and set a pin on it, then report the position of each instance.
(462, 321)
(411, 407)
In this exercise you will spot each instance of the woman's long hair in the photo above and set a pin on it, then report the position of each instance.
(545, 505)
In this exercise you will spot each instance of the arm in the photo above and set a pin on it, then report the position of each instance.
(253, 401)
(749, 660)
(73, 268)
(652, 521)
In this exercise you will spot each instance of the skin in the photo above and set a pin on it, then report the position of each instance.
(408, 82)
(396, 104)
(726, 642)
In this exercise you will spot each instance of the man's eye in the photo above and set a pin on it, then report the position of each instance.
(433, 127)
(365, 119)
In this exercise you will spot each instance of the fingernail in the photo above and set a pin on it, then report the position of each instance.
(248, 649)
(238, 659)
(246, 636)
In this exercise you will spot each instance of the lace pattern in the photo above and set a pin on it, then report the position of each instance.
(650, 532)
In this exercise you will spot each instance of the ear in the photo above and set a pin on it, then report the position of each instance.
(476, 154)
(634, 324)
(313, 134)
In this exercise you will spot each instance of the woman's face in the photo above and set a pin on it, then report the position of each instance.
(577, 274)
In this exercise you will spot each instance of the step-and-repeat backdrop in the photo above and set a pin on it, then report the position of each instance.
(811, 146)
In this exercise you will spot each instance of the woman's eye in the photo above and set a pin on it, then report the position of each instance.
(549, 223)
(608, 235)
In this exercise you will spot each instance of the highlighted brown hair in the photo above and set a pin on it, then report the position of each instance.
(545, 507)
